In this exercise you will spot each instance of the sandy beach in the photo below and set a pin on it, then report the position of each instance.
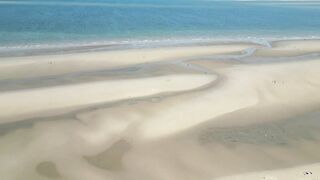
(221, 111)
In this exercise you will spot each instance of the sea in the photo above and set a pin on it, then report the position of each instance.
(50, 24)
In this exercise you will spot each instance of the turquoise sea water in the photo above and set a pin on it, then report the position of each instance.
(37, 23)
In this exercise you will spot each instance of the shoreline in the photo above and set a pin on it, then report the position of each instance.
(49, 65)
(205, 111)
(81, 47)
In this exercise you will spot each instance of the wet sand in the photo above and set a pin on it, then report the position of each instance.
(226, 111)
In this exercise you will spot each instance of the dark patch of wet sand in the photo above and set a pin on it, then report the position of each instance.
(111, 158)
(48, 169)
(265, 129)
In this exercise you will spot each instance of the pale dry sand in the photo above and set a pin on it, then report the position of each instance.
(214, 119)
(52, 98)
(291, 48)
(308, 172)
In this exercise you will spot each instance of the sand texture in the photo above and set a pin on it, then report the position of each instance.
(232, 111)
